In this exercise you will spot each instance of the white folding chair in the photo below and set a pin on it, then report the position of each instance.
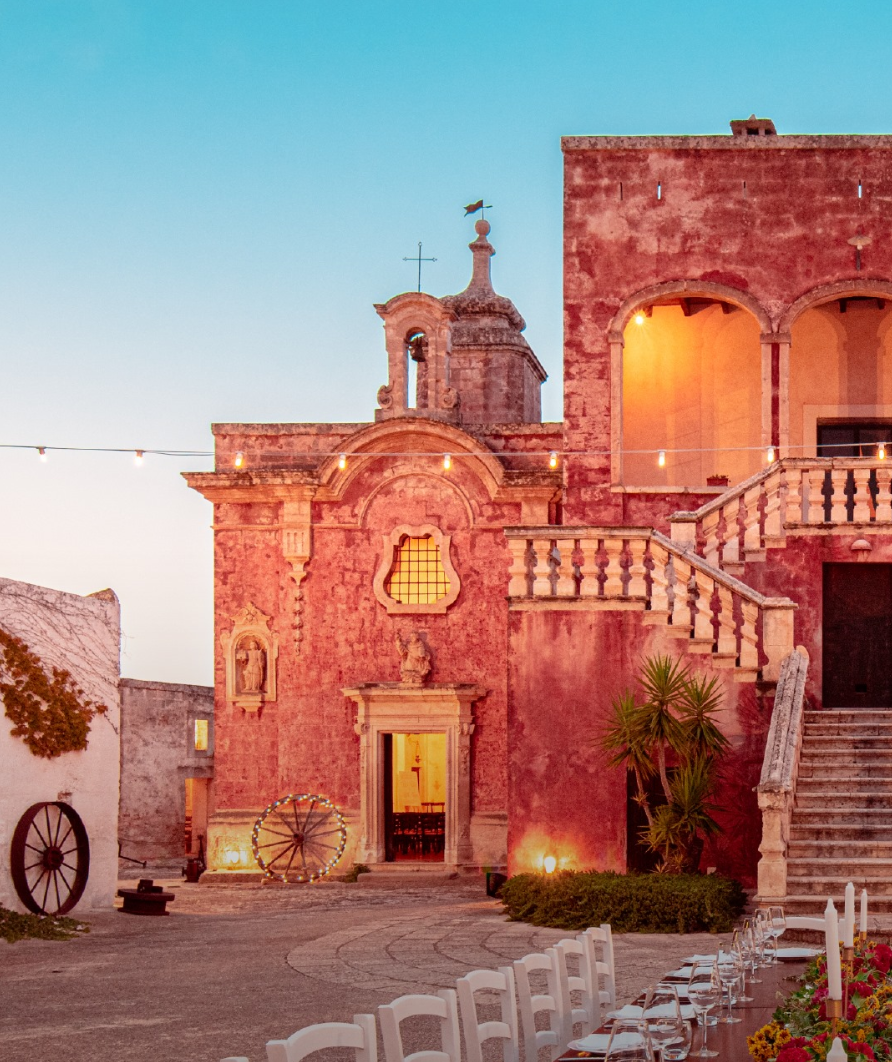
(582, 983)
(599, 939)
(476, 1032)
(804, 922)
(442, 1006)
(530, 1004)
(360, 1035)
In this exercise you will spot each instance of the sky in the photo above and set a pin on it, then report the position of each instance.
(200, 202)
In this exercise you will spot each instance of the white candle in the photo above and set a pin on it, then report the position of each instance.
(864, 911)
(848, 925)
(831, 934)
(837, 1052)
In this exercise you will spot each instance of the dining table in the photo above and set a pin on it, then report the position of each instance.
(777, 981)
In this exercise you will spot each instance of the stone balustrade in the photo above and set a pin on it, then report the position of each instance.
(617, 568)
(790, 495)
(780, 768)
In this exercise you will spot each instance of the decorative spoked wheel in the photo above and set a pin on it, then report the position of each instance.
(299, 837)
(50, 858)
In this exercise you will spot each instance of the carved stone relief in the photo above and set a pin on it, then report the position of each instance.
(415, 659)
(250, 650)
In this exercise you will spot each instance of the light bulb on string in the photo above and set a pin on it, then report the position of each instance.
(138, 458)
(661, 458)
(770, 455)
(342, 462)
(42, 452)
(639, 319)
(553, 459)
(881, 452)
(239, 459)
(447, 461)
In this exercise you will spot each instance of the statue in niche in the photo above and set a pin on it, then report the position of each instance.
(251, 661)
(415, 659)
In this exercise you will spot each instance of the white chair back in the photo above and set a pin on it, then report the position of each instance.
(360, 1035)
(530, 1004)
(585, 1014)
(442, 1006)
(804, 922)
(501, 982)
(599, 939)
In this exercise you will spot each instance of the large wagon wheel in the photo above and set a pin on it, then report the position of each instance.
(50, 858)
(299, 837)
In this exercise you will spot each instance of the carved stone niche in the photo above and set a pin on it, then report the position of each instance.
(250, 650)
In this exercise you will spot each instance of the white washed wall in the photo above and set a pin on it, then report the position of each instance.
(81, 635)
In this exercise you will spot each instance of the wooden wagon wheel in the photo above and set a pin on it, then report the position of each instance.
(299, 837)
(50, 858)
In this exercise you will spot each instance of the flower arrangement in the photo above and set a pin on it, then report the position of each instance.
(800, 1030)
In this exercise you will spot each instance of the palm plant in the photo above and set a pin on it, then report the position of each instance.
(623, 740)
(701, 701)
(678, 829)
(663, 682)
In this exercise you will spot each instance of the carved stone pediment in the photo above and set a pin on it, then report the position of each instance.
(250, 650)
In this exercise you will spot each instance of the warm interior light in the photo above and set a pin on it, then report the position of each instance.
(239, 459)
(201, 735)
(342, 462)
(447, 461)
(549, 862)
(661, 458)
(639, 318)
(770, 454)
(42, 451)
(138, 460)
(233, 856)
(553, 459)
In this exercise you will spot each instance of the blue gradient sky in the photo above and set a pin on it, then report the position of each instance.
(199, 203)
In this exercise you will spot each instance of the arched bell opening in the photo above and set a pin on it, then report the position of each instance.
(416, 348)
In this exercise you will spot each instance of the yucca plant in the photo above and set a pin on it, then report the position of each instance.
(679, 828)
(623, 740)
(663, 683)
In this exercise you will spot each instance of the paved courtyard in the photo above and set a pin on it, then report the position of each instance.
(235, 966)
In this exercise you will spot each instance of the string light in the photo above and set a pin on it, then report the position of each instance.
(239, 459)
(138, 460)
(303, 875)
(661, 458)
(342, 462)
(881, 452)
(770, 455)
(42, 451)
(553, 459)
(639, 319)
(447, 461)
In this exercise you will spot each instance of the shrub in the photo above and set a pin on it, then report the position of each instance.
(631, 903)
(15, 926)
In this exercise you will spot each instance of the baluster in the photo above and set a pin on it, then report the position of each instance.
(519, 572)
(752, 534)
(542, 547)
(793, 514)
(637, 571)
(613, 584)
(773, 509)
(711, 541)
(749, 650)
(863, 500)
(659, 585)
(681, 605)
(884, 496)
(731, 547)
(726, 649)
(838, 499)
(815, 496)
(590, 586)
(566, 581)
(704, 632)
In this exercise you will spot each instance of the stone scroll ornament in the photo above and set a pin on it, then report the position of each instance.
(250, 649)
(415, 659)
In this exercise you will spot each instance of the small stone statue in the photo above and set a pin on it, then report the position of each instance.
(252, 665)
(415, 659)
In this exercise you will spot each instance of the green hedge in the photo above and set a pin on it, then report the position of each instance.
(630, 903)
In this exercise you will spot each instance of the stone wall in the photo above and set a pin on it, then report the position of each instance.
(80, 635)
(158, 754)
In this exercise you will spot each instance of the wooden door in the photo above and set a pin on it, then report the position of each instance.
(857, 653)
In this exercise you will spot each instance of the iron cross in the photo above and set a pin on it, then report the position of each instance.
(417, 258)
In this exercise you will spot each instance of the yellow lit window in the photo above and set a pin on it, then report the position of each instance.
(201, 735)
(417, 576)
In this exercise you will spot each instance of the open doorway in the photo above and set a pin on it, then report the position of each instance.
(415, 797)
(196, 816)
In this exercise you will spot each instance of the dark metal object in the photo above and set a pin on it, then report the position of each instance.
(130, 859)
(146, 899)
(494, 882)
(419, 260)
(50, 858)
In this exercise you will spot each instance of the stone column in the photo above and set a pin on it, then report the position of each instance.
(615, 339)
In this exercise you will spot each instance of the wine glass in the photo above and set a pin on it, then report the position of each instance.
(679, 1046)
(729, 970)
(740, 948)
(778, 921)
(704, 995)
(629, 1041)
(750, 935)
(767, 939)
(662, 1012)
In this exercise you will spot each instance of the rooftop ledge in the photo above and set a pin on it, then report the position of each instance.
(726, 142)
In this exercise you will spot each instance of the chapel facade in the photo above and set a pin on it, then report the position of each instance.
(425, 617)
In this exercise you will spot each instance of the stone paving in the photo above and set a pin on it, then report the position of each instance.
(235, 966)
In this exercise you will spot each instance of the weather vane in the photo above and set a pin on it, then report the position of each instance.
(417, 258)
(472, 208)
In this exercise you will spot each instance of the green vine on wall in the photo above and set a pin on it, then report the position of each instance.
(49, 712)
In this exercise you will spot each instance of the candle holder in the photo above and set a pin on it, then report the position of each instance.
(862, 938)
(833, 1009)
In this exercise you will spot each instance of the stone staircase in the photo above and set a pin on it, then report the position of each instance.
(841, 825)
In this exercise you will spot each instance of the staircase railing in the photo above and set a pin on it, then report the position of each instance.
(616, 568)
(780, 770)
